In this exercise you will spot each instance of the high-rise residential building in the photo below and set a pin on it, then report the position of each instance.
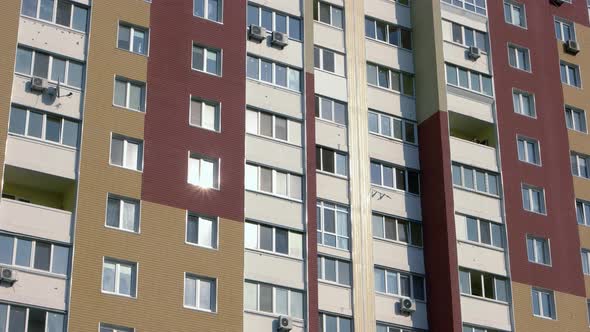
(304, 166)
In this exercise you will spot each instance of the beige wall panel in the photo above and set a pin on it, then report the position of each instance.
(572, 314)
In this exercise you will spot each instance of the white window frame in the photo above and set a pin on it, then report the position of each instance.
(273, 125)
(575, 125)
(132, 28)
(562, 23)
(585, 261)
(381, 118)
(337, 208)
(523, 17)
(217, 109)
(464, 6)
(274, 181)
(319, 2)
(52, 58)
(483, 290)
(54, 16)
(399, 274)
(487, 178)
(390, 75)
(291, 253)
(44, 127)
(484, 49)
(320, 66)
(206, 50)
(387, 40)
(122, 200)
(31, 266)
(322, 275)
(530, 189)
(479, 236)
(469, 73)
(274, 297)
(333, 103)
(585, 217)
(395, 168)
(215, 230)
(274, 14)
(536, 146)
(196, 180)
(134, 276)
(535, 254)
(126, 140)
(580, 160)
(320, 163)
(397, 220)
(198, 280)
(288, 70)
(514, 50)
(206, 11)
(129, 83)
(571, 81)
(552, 315)
(27, 313)
(532, 103)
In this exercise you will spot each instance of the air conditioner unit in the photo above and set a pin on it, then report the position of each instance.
(473, 53)
(285, 324)
(572, 47)
(256, 32)
(407, 306)
(39, 84)
(8, 275)
(280, 39)
(557, 2)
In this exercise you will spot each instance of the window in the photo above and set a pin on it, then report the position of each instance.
(54, 69)
(273, 299)
(518, 57)
(330, 110)
(467, 328)
(483, 231)
(528, 150)
(399, 283)
(201, 231)
(200, 293)
(395, 177)
(538, 250)
(207, 60)
(273, 73)
(205, 114)
(483, 284)
(209, 9)
(570, 74)
(395, 229)
(476, 6)
(43, 126)
(126, 152)
(119, 277)
(34, 254)
(273, 126)
(514, 14)
(580, 165)
(203, 172)
(329, 14)
(129, 94)
(334, 270)
(133, 39)
(387, 328)
(564, 31)
(390, 79)
(279, 183)
(583, 212)
(393, 127)
(543, 303)
(333, 225)
(331, 161)
(330, 323)
(388, 33)
(20, 319)
(524, 103)
(575, 119)
(273, 239)
(123, 213)
(586, 261)
(533, 199)
(470, 178)
(112, 328)
(468, 79)
(468, 36)
(274, 21)
(329, 61)
(60, 12)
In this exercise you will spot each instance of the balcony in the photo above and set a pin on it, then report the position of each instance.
(36, 289)
(333, 188)
(485, 312)
(40, 156)
(388, 55)
(473, 142)
(389, 11)
(259, 321)
(398, 256)
(52, 37)
(331, 85)
(387, 310)
(273, 209)
(270, 97)
(335, 298)
(284, 155)
(274, 269)
(329, 36)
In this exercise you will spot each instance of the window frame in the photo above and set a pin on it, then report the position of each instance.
(220, 11)
(575, 124)
(114, 328)
(51, 59)
(274, 181)
(513, 51)
(319, 110)
(530, 189)
(335, 153)
(483, 275)
(475, 170)
(337, 261)
(388, 27)
(479, 241)
(274, 116)
(484, 49)
(274, 240)
(134, 276)
(54, 15)
(341, 72)
(132, 28)
(536, 256)
(395, 168)
(398, 276)
(585, 253)
(288, 69)
(392, 118)
(472, 3)
(563, 23)
(121, 200)
(27, 309)
(322, 321)
(576, 81)
(523, 16)
(470, 72)
(331, 6)
(390, 74)
(532, 102)
(128, 84)
(274, 301)
(43, 138)
(577, 158)
(382, 220)
(217, 109)
(552, 305)
(33, 247)
(215, 230)
(198, 279)
(320, 231)
(126, 140)
(199, 158)
(585, 217)
(206, 50)
(274, 14)
(537, 160)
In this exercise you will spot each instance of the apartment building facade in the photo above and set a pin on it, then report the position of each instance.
(313, 165)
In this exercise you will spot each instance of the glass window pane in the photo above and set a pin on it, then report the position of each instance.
(295, 186)
(29, 8)
(329, 269)
(108, 277)
(35, 124)
(206, 295)
(380, 280)
(281, 75)
(296, 304)
(267, 19)
(452, 75)
(136, 97)
(252, 67)
(343, 273)
(6, 249)
(64, 10)
(251, 296)
(282, 241)
(42, 256)
(190, 292)
(464, 282)
(266, 298)
(23, 252)
(139, 41)
(58, 70)
(80, 19)
(472, 232)
(282, 301)
(53, 129)
(124, 40)
(60, 259)
(331, 323)
(392, 286)
(280, 184)
(132, 155)
(266, 238)
(294, 79)
(198, 57)
(125, 279)
(295, 244)
(457, 175)
(294, 28)
(17, 319)
(41, 68)
(337, 17)
(213, 62)
(497, 235)
(280, 23)
(24, 59)
(468, 177)
(120, 93)
(18, 119)
(75, 74)
(117, 151)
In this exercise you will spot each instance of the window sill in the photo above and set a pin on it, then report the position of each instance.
(335, 284)
(481, 298)
(398, 243)
(200, 310)
(395, 190)
(203, 128)
(133, 53)
(122, 230)
(392, 139)
(31, 270)
(206, 72)
(391, 91)
(541, 264)
(572, 86)
(215, 249)
(208, 19)
(274, 140)
(59, 26)
(544, 317)
(578, 131)
(521, 70)
(128, 109)
(44, 142)
(476, 192)
(400, 297)
(275, 86)
(534, 212)
(329, 25)
(329, 72)
(334, 175)
(481, 245)
(293, 200)
(125, 168)
(347, 251)
(119, 295)
(381, 42)
(272, 254)
(476, 93)
(332, 123)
